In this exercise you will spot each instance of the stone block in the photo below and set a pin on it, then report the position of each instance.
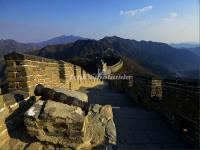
(35, 146)
(15, 96)
(61, 124)
(99, 124)
(4, 144)
(4, 113)
(4, 140)
(16, 69)
(11, 75)
(156, 88)
(2, 127)
(10, 63)
(2, 104)
(58, 123)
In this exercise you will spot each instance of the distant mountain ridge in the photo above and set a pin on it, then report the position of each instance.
(185, 45)
(63, 39)
(195, 50)
(148, 57)
(7, 46)
(160, 58)
(191, 46)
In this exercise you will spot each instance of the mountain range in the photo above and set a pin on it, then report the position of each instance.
(191, 46)
(185, 45)
(159, 58)
(195, 50)
(140, 57)
(7, 46)
(63, 39)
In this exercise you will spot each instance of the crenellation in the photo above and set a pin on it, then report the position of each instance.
(24, 72)
(10, 62)
(12, 75)
(171, 99)
(15, 69)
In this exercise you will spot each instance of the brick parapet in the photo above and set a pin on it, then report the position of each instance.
(177, 100)
(24, 72)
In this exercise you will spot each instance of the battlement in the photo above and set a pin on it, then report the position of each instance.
(24, 72)
(177, 100)
(116, 67)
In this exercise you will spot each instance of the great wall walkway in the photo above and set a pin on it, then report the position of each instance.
(136, 126)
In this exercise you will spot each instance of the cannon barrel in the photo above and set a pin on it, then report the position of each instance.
(50, 94)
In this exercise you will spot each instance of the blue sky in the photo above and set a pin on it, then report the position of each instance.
(156, 20)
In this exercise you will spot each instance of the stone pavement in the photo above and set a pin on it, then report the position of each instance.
(137, 128)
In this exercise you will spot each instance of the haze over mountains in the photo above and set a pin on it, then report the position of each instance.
(63, 39)
(7, 46)
(191, 46)
(195, 50)
(185, 45)
(142, 56)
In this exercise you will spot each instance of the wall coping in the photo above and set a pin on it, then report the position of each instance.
(22, 56)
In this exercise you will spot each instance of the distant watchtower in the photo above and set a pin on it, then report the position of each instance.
(103, 68)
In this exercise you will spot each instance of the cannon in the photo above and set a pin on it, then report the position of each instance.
(50, 94)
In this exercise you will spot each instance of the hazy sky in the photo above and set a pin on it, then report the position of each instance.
(156, 20)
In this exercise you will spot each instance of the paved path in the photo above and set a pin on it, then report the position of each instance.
(137, 128)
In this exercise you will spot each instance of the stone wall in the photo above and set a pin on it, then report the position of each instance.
(12, 108)
(177, 101)
(24, 72)
(67, 126)
(116, 67)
